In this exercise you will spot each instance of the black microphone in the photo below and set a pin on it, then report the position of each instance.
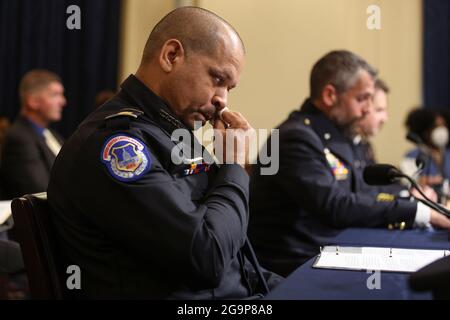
(384, 174)
(380, 174)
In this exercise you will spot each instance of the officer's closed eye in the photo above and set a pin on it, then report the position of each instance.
(219, 79)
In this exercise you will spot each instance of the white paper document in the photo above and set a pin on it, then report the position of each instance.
(382, 259)
(5, 211)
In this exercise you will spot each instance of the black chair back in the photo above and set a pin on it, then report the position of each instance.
(34, 231)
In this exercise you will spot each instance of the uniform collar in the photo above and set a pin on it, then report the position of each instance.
(152, 105)
(332, 137)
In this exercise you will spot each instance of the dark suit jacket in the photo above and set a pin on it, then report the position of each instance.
(317, 192)
(25, 160)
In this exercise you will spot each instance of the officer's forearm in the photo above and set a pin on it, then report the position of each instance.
(224, 226)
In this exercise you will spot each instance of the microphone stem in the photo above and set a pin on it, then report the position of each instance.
(426, 201)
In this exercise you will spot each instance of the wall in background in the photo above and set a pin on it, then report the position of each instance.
(139, 18)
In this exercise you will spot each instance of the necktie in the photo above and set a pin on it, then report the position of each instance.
(51, 142)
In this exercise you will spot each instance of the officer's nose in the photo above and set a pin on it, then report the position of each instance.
(220, 99)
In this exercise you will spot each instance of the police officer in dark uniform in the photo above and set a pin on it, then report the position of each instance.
(141, 216)
(317, 190)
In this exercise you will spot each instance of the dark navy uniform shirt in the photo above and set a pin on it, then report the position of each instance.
(140, 226)
(317, 192)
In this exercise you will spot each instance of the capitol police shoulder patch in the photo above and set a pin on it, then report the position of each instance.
(125, 157)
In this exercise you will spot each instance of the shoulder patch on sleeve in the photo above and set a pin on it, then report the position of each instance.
(126, 158)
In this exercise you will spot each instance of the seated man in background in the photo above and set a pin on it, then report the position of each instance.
(367, 128)
(138, 222)
(371, 124)
(28, 152)
(30, 147)
(318, 189)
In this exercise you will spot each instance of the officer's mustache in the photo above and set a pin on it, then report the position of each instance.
(209, 112)
(348, 127)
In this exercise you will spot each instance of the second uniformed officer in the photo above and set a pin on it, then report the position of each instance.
(138, 223)
(318, 189)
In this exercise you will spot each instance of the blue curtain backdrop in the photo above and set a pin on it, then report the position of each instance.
(33, 34)
(437, 54)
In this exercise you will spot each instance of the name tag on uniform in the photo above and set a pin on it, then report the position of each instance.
(338, 168)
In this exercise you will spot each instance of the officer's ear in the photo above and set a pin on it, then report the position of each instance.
(33, 101)
(329, 95)
(172, 52)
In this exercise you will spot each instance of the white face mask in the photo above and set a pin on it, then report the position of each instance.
(439, 136)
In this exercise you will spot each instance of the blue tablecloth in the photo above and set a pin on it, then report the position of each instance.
(310, 283)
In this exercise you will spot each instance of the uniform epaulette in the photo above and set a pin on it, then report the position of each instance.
(302, 118)
(121, 119)
(127, 112)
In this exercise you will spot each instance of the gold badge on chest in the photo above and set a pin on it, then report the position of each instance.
(340, 171)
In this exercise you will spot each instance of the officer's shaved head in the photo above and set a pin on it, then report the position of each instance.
(198, 30)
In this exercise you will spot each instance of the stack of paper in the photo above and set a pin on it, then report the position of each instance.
(382, 259)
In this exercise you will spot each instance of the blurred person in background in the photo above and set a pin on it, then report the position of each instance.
(30, 147)
(429, 129)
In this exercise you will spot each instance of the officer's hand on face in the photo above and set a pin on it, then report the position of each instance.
(235, 135)
(438, 220)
